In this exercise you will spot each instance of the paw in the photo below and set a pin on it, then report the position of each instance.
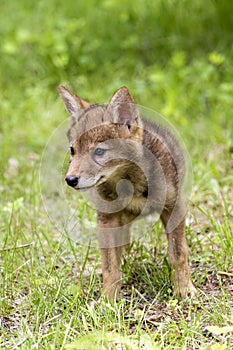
(184, 291)
(111, 292)
(187, 290)
(191, 290)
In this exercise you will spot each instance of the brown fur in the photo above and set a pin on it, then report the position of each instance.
(142, 154)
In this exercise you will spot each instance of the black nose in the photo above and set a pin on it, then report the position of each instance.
(72, 181)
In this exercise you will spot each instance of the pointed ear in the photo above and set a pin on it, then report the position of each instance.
(124, 108)
(122, 95)
(73, 103)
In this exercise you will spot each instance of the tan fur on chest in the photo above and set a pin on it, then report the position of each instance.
(137, 205)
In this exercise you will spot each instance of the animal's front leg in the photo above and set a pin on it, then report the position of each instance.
(113, 235)
(111, 259)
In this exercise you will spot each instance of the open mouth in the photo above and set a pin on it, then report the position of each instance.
(84, 185)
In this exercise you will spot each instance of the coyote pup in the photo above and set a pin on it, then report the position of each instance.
(134, 168)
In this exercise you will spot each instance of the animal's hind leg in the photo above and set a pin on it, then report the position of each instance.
(178, 257)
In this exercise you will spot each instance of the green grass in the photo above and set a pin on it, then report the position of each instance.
(174, 61)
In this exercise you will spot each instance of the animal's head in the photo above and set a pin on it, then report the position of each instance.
(103, 138)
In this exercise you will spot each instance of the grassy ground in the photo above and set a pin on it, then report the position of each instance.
(49, 283)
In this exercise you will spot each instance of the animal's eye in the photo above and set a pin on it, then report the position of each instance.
(99, 151)
(72, 150)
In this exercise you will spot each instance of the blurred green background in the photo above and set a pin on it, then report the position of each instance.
(175, 57)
